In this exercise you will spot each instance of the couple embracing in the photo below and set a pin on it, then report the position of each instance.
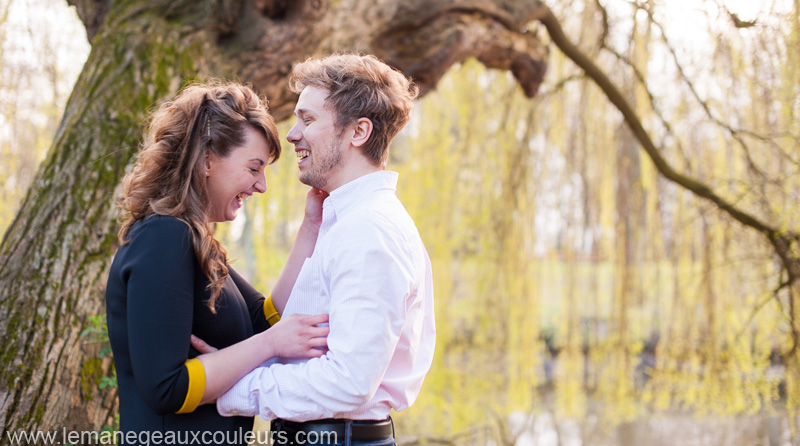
(347, 333)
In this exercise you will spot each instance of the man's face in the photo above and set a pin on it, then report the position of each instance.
(317, 142)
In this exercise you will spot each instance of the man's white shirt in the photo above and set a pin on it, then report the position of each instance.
(372, 274)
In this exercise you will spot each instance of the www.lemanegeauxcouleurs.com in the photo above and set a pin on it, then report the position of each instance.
(147, 438)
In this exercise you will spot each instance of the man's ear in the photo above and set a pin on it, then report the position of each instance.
(362, 130)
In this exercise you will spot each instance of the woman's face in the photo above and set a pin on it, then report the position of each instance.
(233, 179)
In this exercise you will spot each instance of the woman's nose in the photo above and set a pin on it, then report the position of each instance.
(261, 183)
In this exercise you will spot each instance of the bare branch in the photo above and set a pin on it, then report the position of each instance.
(604, 14)
(652, 99)
(760, 306)
(735, 20)
(736, 134)
(559, 85)
(793, 326)
(616, 98)
(782, 241)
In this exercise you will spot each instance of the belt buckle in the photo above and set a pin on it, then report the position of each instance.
(349, 430)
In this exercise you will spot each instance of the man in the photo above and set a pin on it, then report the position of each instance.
(369, 269)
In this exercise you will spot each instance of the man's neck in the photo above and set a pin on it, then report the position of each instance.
(353, 169)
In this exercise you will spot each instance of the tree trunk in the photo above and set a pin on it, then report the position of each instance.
(55, 255)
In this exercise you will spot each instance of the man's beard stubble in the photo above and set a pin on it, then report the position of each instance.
(317, 175)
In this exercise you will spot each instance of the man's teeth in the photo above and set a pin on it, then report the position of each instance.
(303, 154)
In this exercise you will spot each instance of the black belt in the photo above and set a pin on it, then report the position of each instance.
(333, 429)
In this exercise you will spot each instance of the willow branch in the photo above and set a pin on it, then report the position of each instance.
(604, 18)
(615, 96)
(782, 241)
(793, 326)
(559, 85)
(760, 306)
(736, 134)
(651, 97)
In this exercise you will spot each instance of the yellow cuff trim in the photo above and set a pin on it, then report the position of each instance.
(197, 386)
(270, 312)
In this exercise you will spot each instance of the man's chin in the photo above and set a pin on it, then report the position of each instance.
(313, 181)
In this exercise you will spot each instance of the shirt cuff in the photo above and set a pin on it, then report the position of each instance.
(197, 386)
(270, 312)
(237, 401)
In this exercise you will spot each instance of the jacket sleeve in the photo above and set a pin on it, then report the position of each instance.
(159, 275)
(262, 312)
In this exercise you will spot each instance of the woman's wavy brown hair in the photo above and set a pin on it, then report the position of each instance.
(169, 177)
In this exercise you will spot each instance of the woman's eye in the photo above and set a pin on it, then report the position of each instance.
(253, 170)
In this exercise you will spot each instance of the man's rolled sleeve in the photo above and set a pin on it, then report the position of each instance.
(239, 401)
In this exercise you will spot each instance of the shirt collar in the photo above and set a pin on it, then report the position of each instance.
(356, 191)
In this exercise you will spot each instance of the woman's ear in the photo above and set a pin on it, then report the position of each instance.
(362, 130)
(208, 162)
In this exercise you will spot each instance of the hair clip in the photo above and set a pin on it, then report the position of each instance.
(208, 126)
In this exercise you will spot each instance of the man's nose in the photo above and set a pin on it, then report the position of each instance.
(294, 135)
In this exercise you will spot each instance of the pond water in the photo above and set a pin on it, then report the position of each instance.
(662, 430)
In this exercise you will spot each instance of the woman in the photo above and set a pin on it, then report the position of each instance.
(205, 154)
